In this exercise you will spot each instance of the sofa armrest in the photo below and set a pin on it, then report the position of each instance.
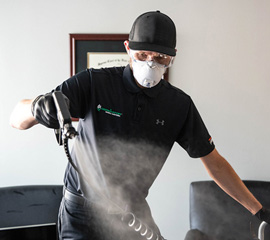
(195, 234)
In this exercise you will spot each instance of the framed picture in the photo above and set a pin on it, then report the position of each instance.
(97, 50)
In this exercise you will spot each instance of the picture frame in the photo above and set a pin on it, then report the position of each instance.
(81, 45)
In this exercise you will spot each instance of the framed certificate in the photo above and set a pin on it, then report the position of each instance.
(96, 50)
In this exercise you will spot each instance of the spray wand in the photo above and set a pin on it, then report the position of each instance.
(65, 132)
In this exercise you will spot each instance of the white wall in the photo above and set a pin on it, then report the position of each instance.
(223, 62)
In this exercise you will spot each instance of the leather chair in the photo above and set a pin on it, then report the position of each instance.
(29, 212)
(216, 216)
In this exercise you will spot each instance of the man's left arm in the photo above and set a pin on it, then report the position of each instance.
(228, 180)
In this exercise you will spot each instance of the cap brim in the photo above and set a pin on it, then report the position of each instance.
(152, 47)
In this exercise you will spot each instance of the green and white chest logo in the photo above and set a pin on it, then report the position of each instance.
(108, 111)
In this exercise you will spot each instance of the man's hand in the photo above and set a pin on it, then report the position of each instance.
(44, 111)
(264, 215)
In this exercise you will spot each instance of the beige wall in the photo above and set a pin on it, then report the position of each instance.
(223, 62)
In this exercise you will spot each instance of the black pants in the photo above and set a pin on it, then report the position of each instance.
(90, 221)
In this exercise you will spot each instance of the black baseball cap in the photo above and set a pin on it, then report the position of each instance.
(153, 31)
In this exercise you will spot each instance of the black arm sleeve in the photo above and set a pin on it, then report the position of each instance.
(194, 136)
(78, 91)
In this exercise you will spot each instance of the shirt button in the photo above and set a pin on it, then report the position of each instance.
(139, 108)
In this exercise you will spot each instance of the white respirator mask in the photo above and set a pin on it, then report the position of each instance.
(147, 73)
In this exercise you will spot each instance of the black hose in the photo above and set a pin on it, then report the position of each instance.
(66, 148)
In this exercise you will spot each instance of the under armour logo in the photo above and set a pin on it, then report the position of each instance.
(162, 122)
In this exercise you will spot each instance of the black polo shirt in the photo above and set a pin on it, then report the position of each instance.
(125, 132)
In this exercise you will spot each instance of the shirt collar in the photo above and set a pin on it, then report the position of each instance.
(131, 86)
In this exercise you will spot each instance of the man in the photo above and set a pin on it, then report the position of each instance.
(129, 120)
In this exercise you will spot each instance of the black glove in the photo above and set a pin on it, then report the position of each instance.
(44, 111)
(264, 215)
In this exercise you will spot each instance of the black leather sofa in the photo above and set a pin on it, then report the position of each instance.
(216, 216)
(29, 212)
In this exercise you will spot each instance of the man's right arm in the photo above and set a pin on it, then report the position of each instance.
(22, 117)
